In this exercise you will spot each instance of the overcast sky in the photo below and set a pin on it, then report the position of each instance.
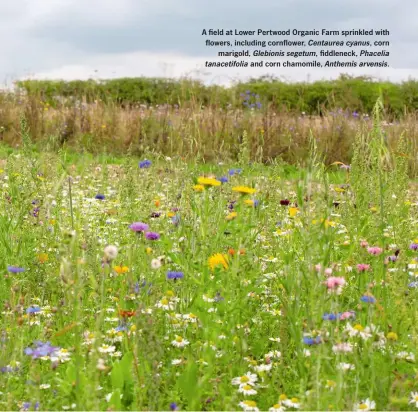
(82, 39)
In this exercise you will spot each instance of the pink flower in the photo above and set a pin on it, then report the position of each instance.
(328, 271)
(318, 267)
(364, 243)
(375, 250)
(347, 315)
(362, 267)
(335, 282)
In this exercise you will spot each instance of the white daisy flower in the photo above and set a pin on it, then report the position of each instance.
(180, 342)
(247, 390)
(249, 379)
(366, 405)
(107, 348)
(249, 406)
(414, 399)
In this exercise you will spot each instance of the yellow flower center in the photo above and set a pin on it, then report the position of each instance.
(164, 301)
(295, 400)
(358, 327)
(282, 397)
(246, 387)
(244, 379)
(179, 339)
(251, 404)
(362, 406)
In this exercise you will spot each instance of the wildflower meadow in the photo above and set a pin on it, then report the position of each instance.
(160, 283)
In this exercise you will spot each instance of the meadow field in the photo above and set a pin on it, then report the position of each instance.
(165, 259)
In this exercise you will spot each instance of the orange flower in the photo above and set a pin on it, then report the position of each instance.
(231, 252)
(127, 313)
(120, 270)
(43, 257)
(157, 203)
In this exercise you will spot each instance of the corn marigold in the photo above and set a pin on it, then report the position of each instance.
(245, 190)
(208, 181)
(218, 259)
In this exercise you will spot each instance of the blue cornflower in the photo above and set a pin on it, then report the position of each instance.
(413, 246)
(234, 172)
(33, 309)
(223, 179)
(413, 285)
(368, 299)
(175, 275)
(175, 220)
(99, 197)
(330, 316)
(144, 164)
(173, 406)
(15, 269)
(312, 341)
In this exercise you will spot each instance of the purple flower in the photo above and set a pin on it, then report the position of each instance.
(139, 227)
(15, 269)
(41, 350)
(99, 197)
(173, 406)
(145, 164)
(175, 220)
(175, 275)
(152, 236)
(413, 285)
(155, 214)
(234, 172)
(413, 246)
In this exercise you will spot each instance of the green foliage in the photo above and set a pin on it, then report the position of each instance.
(348, 93)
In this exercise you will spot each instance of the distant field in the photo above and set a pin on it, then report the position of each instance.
(156, 283)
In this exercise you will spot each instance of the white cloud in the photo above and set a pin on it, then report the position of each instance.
(73, 38)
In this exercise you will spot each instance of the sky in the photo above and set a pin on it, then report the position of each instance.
(79, 39)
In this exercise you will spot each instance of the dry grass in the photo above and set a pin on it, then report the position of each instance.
(203, 133)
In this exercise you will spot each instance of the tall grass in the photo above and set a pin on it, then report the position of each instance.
(206, 133)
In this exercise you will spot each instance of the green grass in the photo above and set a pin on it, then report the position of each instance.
(260, 312)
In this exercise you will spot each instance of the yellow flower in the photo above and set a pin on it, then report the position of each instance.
(392, 336)
(170, 214)
(208, 181)
(218, 259)
(245, 190)
(249, 202)
(293, 211)
(199, 188)
(231, 216)
(43, 257)
(148, 250)
(120, 270)
(339, 189)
